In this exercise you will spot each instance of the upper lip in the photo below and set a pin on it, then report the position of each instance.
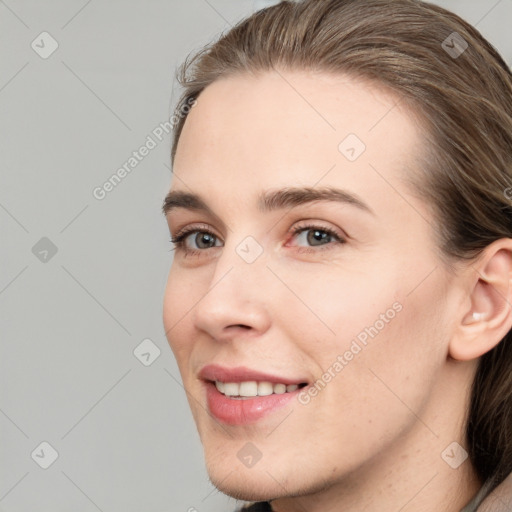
(215, 372)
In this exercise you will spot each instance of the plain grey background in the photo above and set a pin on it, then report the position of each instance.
(82, 279)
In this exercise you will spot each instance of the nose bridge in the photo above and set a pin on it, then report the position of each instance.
(243, 259)
(236, 294)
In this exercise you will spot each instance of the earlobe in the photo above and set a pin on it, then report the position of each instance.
(489, 315)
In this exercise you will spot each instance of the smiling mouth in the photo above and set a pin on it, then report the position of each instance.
(251, 389)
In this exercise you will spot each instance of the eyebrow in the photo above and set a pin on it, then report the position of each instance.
(270, 200)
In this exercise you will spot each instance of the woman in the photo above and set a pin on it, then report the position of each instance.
(343, 334)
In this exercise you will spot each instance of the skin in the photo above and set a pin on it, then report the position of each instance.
(373, 437)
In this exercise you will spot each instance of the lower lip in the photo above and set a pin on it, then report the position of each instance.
(233, 411)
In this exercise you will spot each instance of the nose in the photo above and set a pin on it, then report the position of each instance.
(236, 303)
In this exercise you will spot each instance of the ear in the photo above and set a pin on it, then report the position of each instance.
(486, 315)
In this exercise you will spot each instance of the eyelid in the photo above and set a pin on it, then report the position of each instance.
(318, 224)
(293, 229)
(303, 226)
(193, 227)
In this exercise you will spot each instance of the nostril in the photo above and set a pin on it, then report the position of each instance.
(235, 327)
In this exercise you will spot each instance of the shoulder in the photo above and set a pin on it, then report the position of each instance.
(500, 499)
(492, 498)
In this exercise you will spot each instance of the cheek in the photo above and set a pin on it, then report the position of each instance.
(367, 302)
(175, 319)
(337, 306)
(377, 346)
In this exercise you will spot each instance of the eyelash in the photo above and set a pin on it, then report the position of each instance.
(179, 239)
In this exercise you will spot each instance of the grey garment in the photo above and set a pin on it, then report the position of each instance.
(473, 505)
(498, 500)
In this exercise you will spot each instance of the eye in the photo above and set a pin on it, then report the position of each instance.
(203, 237)
(316, 236)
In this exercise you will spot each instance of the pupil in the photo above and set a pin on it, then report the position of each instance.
(203, 237)
(317, 235)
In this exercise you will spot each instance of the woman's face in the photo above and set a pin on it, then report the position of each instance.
(345, 294)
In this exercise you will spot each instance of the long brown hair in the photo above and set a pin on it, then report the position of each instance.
(447, 72)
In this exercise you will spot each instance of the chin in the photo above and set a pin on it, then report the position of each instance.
(246, 490)
(262, 482)
(249, 486)
(241, 483)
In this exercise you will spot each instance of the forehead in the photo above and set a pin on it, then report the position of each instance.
(295, 128)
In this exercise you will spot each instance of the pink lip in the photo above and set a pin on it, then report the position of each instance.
(234, 411)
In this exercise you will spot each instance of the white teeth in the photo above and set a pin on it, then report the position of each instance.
(265, 388)
(252, 388)
(249, 388)
(279, 389)
(231, 388)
